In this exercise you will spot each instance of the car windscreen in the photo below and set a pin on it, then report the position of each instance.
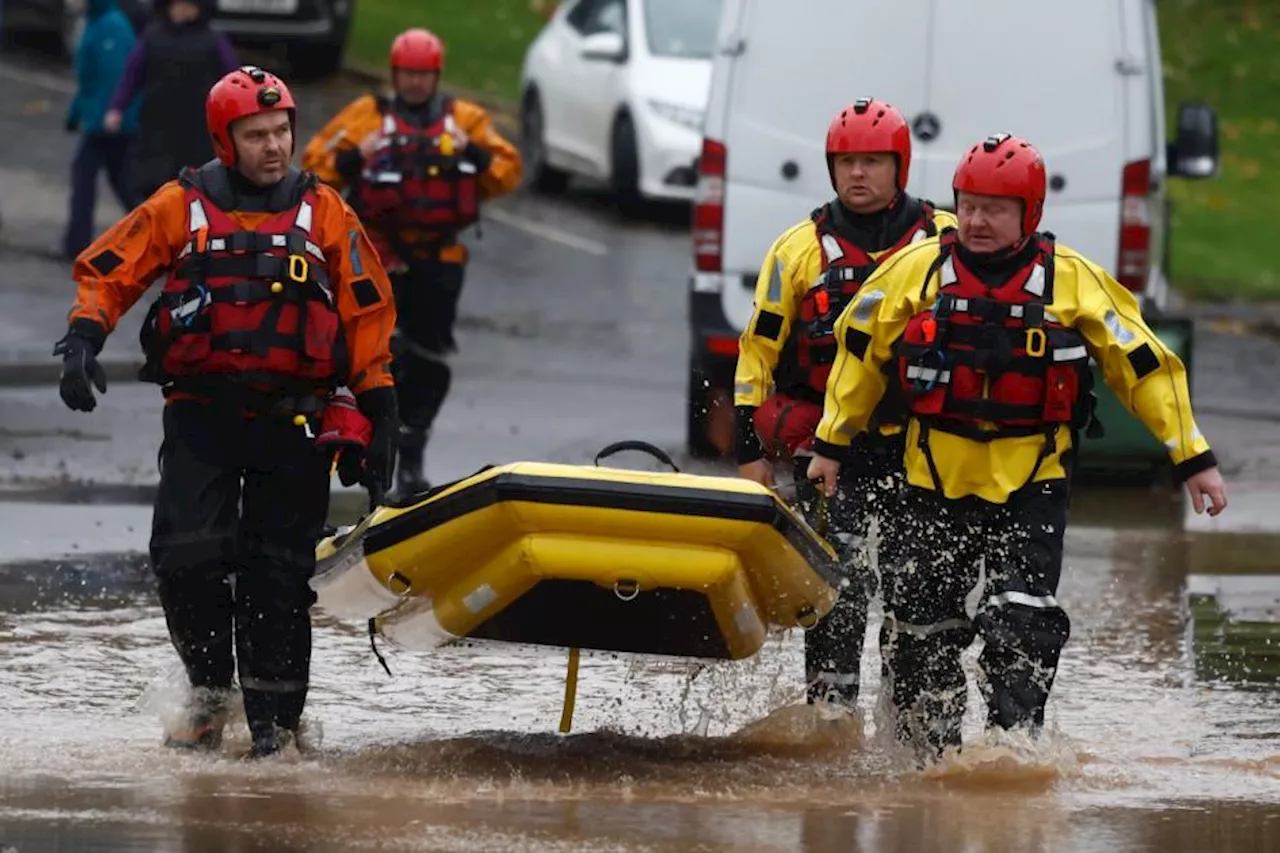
(684, 29)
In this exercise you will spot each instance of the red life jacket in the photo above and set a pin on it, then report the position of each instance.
(994, 355)
(414, 180)
(810, 349)
(252, 304)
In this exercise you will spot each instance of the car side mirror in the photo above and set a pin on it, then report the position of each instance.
(1194, 153)
(604, 47)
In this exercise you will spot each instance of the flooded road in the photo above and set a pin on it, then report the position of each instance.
(1150, 748)
(1164, 721)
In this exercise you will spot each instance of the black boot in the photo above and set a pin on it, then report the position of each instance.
(202, 722)
(412, 449)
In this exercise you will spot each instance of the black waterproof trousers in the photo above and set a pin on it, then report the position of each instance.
(864, 504)
(240, 507)
(935, 551)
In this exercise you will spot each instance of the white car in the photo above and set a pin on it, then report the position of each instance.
(615, 90)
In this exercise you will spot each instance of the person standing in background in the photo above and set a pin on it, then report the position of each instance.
(100, 59)
(175, 63)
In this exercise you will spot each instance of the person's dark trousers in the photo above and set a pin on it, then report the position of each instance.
(240, 506)
(866, 496)
(936, 548)
(96, 152)
(427, 308)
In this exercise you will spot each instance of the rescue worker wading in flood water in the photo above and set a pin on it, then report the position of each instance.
(786, 350)
(416, 167)
(272, 298)
(990, 330)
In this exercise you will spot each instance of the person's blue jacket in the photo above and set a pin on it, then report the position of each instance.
(104, 47)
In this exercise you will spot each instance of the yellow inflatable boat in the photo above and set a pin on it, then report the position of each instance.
(584, 557)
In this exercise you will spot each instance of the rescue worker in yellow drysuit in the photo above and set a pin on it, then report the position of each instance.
(785, 353)
(990, 330)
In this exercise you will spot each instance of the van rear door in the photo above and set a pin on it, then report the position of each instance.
(784, 91)
(1054, 79)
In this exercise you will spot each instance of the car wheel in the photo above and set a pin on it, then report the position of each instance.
(625, 155)
(542, 177)
(706, 435)
(313, 61)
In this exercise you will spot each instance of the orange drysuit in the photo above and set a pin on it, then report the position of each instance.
(116, 269)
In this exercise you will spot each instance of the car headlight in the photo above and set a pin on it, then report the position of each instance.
(683, 116)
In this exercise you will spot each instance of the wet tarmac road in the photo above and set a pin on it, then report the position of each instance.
(574, 337)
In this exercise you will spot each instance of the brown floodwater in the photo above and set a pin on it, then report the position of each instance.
(1164, 727)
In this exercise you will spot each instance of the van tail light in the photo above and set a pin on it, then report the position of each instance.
(708, 208)
(1135, 226)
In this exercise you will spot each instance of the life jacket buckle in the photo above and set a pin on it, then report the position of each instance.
(299, 269)
(1037, 343)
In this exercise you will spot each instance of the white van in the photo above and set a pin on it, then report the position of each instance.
(1081, 81)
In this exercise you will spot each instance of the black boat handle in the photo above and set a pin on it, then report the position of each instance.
(634, 444)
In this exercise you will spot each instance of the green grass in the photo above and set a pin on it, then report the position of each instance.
(1226, 53)
(485, 40)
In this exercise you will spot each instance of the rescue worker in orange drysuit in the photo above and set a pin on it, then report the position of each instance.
(785, 353)
(990, 329)
(415, 167)
(273, 297)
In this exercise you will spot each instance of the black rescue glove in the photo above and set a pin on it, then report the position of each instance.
(79, 348)
(379, 406)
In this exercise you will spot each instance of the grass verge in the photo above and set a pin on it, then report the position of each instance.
(1226, 53)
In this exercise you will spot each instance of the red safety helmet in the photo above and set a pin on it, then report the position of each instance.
(1006, 165)
(244, 92)
(868, 125)
(417, 50)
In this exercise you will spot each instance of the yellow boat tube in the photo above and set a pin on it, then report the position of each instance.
(584, 557)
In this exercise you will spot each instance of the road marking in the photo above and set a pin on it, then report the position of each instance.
(546, 232)
(37, 78)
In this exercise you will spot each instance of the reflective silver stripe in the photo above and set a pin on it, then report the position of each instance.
(218, 244)
(1071, 354)
(278, 240)
(1035, 282)
(1023, 599)
(1016, 311)
(928, 374)
(962, 304)
(387, 177)
(919, 235)
(388, 124)
(186, 250)
(867, 304)
(315, 250)
(836, 679)
(744, 388)
(196, 216)
(1051, 317)
(927, 629)
(774, 293)
(304, 217)
(832, 248)
(272, 686)
(948, 271)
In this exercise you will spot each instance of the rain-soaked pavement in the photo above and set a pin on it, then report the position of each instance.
(1164, 723)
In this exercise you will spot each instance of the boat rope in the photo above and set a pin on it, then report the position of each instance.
(373, 631)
